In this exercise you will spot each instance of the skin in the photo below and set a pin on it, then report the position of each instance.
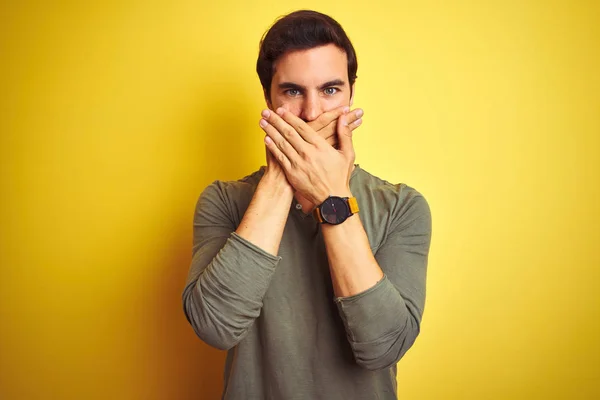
(307, 84)
(313, 85)
(326, 124)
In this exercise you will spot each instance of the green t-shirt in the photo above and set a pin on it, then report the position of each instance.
(286, 334)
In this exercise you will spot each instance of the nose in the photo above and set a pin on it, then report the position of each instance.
(311, 108)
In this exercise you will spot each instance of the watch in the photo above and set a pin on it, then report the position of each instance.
(335, 210)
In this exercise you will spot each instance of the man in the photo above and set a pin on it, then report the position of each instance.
(310, 271)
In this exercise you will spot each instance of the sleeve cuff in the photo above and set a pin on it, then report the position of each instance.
(373, 314)
(357, 296)
(254, 248)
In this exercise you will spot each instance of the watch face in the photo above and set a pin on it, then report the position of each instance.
(334, 210)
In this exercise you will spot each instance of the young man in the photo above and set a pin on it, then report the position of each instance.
(310, 271)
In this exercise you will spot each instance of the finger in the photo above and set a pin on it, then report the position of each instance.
(354, 116)
(286, 130)
(332, 140)
(326, 118)
(305, 131)
(329, 131)
(355, 124)
(276, 154)
(354, 121)
(279, 141)
(345, 136)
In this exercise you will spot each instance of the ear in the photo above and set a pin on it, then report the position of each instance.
(353, 90)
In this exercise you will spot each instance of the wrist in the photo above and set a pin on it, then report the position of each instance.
(321, 194)
(335, 192)
(277, 184)
(336, 209)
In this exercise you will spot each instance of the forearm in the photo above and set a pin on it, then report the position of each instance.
(379, 326)
(352, 266)
(225, 299)
(265, 218)
(231, 270)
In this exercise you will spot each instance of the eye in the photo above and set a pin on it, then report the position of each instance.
(293, 92)
(330, 91)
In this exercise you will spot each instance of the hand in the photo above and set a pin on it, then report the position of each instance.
(312, 166)
(326, 124)
(274, 172)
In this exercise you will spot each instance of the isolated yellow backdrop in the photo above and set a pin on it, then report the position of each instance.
(115, 116)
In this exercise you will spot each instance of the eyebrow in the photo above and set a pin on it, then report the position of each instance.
(291, 85)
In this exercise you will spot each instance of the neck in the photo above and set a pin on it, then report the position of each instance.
(307, 205)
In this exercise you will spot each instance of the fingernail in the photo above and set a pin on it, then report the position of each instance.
(266, 113)
(268, 140)
(346, 109)
(359, 113)
(358, 121)
(280, 110)
(262, 123)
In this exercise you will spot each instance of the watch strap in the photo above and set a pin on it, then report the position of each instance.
(353, 205)
(317, 214)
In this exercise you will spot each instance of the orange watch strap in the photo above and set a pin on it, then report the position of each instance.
(317, 214)
(353, 205)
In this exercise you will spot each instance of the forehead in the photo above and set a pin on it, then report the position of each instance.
(312, 67)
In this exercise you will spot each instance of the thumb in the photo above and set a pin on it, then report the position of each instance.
(344, 134)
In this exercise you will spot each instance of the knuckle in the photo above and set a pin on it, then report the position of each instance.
(288, 132)
(323, 118)
(314, 125)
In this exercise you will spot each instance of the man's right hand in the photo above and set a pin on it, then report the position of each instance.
(325, 125)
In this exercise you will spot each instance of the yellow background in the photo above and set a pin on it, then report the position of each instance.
(115, 116)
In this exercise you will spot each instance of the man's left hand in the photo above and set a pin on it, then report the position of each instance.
(312, 166)
(325, 125)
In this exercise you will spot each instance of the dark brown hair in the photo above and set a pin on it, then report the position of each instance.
(301, 30)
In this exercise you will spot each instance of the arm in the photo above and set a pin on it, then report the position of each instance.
(352, 266)
(381, 313)
(267, 213)
(231, 271)
(382, 318)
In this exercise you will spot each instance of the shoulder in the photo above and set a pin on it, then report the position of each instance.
(387, 207)
(235, 188)
(391, 195)
(230, 197)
